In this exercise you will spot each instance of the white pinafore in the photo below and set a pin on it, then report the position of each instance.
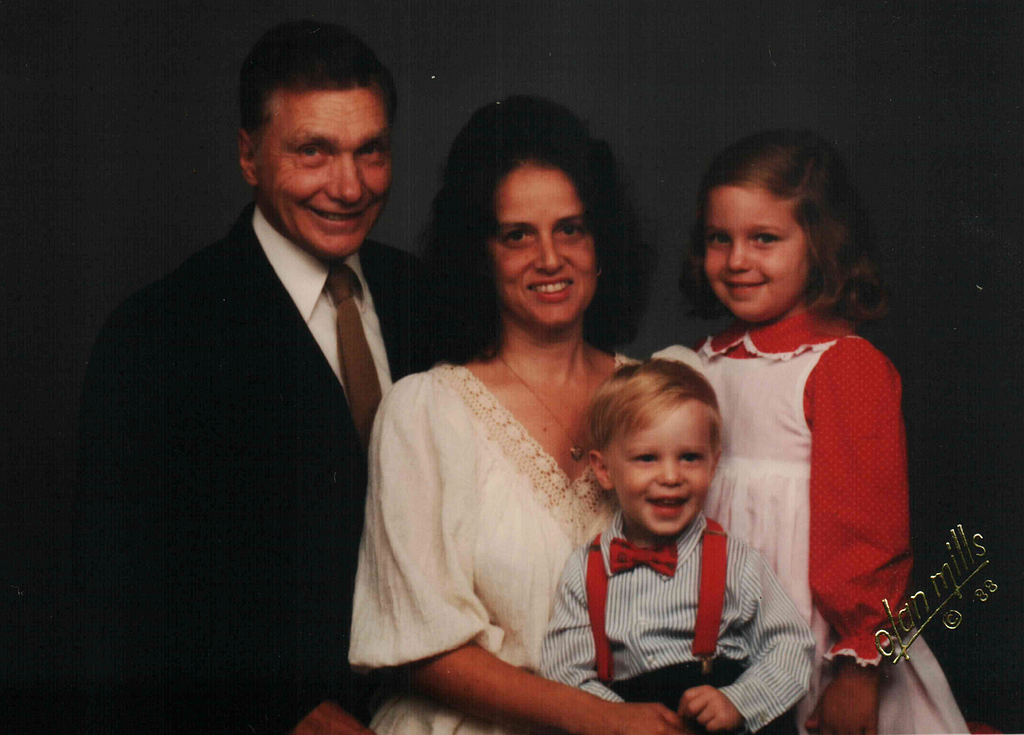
(761, 494)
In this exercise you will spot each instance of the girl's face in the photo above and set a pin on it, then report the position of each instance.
(545, 266)
(756, 254)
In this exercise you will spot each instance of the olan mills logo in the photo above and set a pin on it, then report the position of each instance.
(965, 561)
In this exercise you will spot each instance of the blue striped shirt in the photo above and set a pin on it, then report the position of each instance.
(650, 620)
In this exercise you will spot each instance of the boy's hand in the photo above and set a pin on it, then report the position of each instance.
(710, 708)
(849, 703)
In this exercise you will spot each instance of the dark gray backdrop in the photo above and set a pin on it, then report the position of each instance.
(118, 160)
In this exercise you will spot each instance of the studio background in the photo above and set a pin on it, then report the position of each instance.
(119, 160)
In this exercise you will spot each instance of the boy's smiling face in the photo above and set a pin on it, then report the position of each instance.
(660, 472)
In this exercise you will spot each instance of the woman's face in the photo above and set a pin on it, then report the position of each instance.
(545, 266)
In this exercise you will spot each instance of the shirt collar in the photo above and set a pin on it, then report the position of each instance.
(784, 338)
(302, 274)
(686, 542)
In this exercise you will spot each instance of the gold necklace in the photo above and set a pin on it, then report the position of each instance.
(576, 446)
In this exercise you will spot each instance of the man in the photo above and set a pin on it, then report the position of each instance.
(225, 418)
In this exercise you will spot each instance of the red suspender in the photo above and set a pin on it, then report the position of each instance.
(597, 594)
(709, 604)
(712, 594)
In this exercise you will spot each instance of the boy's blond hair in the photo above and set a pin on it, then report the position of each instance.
(635, 393)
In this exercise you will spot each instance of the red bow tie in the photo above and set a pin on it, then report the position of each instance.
(623, 556)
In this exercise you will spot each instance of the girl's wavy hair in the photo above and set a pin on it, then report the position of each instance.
(800, 166)
(498, 138)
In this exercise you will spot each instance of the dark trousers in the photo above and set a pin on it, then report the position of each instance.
(668, 684)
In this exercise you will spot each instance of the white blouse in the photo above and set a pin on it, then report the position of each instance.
(468, 525)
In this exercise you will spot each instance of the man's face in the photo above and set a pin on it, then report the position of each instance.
(321, 167)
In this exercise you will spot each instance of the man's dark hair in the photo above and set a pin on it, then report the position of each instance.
(500, 137)
(308, 55)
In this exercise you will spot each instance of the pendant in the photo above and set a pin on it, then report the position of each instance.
(576, 451)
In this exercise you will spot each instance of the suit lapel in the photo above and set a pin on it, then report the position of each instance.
(372, 257)
(394, 280)
(281, 334)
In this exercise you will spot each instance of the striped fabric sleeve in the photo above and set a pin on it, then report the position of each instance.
(779, 645)
(567, 654)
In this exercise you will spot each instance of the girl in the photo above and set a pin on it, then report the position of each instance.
(813, 469)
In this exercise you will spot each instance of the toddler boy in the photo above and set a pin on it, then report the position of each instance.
(627, 624)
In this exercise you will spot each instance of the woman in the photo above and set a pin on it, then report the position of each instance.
(480, 482)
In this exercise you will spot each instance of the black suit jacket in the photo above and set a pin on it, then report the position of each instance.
(221, 499)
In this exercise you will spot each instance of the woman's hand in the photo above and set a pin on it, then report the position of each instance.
(849, 704)
(471, 680)
(710, 708)
(330, 719)
(474, 681)
(624, 718)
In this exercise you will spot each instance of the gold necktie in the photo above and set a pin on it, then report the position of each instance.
(358, 373)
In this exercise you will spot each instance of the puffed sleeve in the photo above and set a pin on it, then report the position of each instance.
(414, 593)
(678, 353)
(860, 528)
(568, 654)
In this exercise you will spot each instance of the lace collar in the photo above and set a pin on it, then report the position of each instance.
(781, 340)
(581, 506)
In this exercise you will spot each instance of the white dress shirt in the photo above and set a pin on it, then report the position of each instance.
(304, 277)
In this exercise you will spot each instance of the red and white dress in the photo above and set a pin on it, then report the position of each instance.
(813, 475)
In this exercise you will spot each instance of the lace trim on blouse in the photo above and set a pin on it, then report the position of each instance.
(781, 340)
(576, 505)
(748, 343)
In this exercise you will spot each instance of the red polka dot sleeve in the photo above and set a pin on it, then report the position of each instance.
(860, 528)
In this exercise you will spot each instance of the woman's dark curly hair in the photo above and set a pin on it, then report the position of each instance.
(498, 138)
(800, 166)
